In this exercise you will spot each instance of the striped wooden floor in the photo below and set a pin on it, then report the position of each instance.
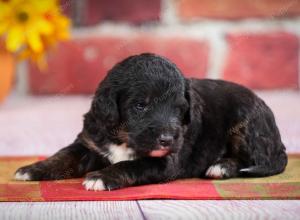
(153, 209)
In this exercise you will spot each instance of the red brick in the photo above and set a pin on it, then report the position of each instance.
(264, 61)
(77, 66)
(237, 9)
(66, 7)
(135, 11)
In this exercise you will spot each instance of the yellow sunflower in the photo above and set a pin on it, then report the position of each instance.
(31, 27)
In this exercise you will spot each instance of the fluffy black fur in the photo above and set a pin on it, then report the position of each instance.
(208, 128)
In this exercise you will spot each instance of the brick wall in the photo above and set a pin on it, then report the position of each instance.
(252, 42)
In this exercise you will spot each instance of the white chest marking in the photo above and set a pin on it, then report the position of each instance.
(119, 153)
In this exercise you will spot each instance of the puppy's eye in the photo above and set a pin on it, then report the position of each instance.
(140, 106)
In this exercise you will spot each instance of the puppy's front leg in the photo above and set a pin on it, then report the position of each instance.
(129, 173)
(70, 162)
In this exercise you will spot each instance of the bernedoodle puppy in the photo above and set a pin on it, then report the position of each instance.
(148, 124)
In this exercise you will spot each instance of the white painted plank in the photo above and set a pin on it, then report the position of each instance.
(229, 209)
(70, 210)
(153, 209)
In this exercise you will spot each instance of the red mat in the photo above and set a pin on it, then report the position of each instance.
(283, 186)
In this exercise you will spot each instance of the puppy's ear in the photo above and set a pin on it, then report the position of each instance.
(104, 106)
(193, 117)
(187, 116)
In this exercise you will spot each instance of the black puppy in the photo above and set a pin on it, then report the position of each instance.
(148, 124)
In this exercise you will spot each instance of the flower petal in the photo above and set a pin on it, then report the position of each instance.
(43, 6)
(3, 27)
(15, 38)
(44, 26)
(34, 40)
(4, 10)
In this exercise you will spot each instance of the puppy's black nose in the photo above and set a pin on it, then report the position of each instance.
(165, 140)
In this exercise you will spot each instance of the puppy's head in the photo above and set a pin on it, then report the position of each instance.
(142, 103)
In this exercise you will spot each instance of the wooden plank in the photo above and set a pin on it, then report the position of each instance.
(153, 209)
(70, 210)
(231, 209)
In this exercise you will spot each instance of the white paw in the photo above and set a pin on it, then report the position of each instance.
(22, 176)
(216, 172)
(96, 185)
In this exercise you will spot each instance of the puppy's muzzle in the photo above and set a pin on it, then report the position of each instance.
(165, 140)
(164, 143)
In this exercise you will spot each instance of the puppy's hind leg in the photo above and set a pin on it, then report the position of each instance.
(223, 169)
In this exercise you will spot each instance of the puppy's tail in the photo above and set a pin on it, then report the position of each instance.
(277, 166)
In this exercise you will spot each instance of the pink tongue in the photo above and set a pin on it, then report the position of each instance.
(159, 153)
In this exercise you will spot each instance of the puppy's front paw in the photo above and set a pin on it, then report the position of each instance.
(37, 172)
(94, 184)
(101, 180)
(22, 175)
(216, 171)
(28, 173)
